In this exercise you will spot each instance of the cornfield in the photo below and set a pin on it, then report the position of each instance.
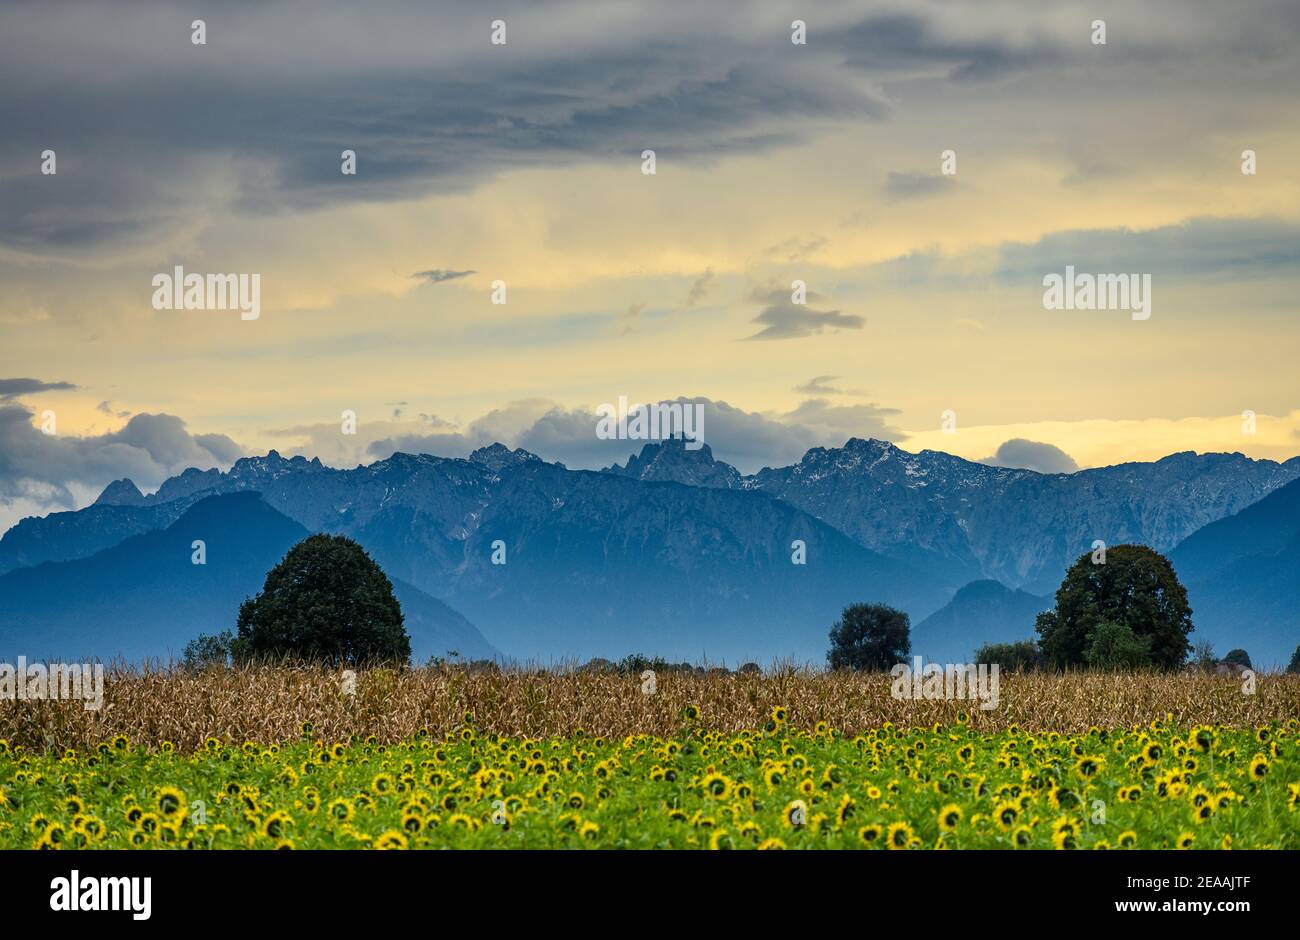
(269, 704)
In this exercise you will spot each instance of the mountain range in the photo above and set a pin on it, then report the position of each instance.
(675, 553)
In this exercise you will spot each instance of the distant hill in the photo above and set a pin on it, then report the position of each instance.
(1242, 576)
(145, 599)
(981, 612)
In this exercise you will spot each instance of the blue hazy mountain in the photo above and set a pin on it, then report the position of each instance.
(144, 598)
(1242, 576)
(595, 564)
(966, 521)
(598, 565)
(678, 554)
(981, 612)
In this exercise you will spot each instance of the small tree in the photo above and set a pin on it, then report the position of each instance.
(1203, 656)
(207, 651)
(1021, 656)
(1294, 667)
(1114, 646)
(1238, 657)
(326, 601)
(869, 637)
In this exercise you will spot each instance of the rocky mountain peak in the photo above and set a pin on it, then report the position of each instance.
(671, 460)
(121, 492)
(496, 457)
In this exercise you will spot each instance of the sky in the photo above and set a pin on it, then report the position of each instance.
(521, 163)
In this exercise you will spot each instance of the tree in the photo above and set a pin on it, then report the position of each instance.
(207, 650)
(1021, 656)
(326, 601)
(1114, 646)
(1294, 667)
(1238, 657)
(869, 637)
(1203, 656)
(1135, 586)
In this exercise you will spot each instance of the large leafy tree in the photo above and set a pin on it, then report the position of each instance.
(1135, 586)
(326, 601)
(869, 637)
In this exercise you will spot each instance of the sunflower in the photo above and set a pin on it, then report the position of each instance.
(847, 808)
(716, 785)
(1258, 767)
(1006, 814)
(170, 802)
(391, 839)
(1185, 840)
(1064, 833)
(770, 844)
(870, 835)
(589, 831)
(949, 817)
(1088, 766)
(899, 835)
(274, 826)
(795, 813)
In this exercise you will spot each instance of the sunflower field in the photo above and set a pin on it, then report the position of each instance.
(945, 786)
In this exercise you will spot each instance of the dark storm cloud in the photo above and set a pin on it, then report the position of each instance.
(427, 104)
(906, 42)
(11, 388)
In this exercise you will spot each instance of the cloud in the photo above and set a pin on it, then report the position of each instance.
(909, 44)
(12, 388)
(106, 407)
(700, 288)
(631, 316)
(820, 385)
(438, 275)
(148, 449)
(748, 440)
(1201, 248)
(900, 186)
(428, 106)
(787, 320)
(1032, 455)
